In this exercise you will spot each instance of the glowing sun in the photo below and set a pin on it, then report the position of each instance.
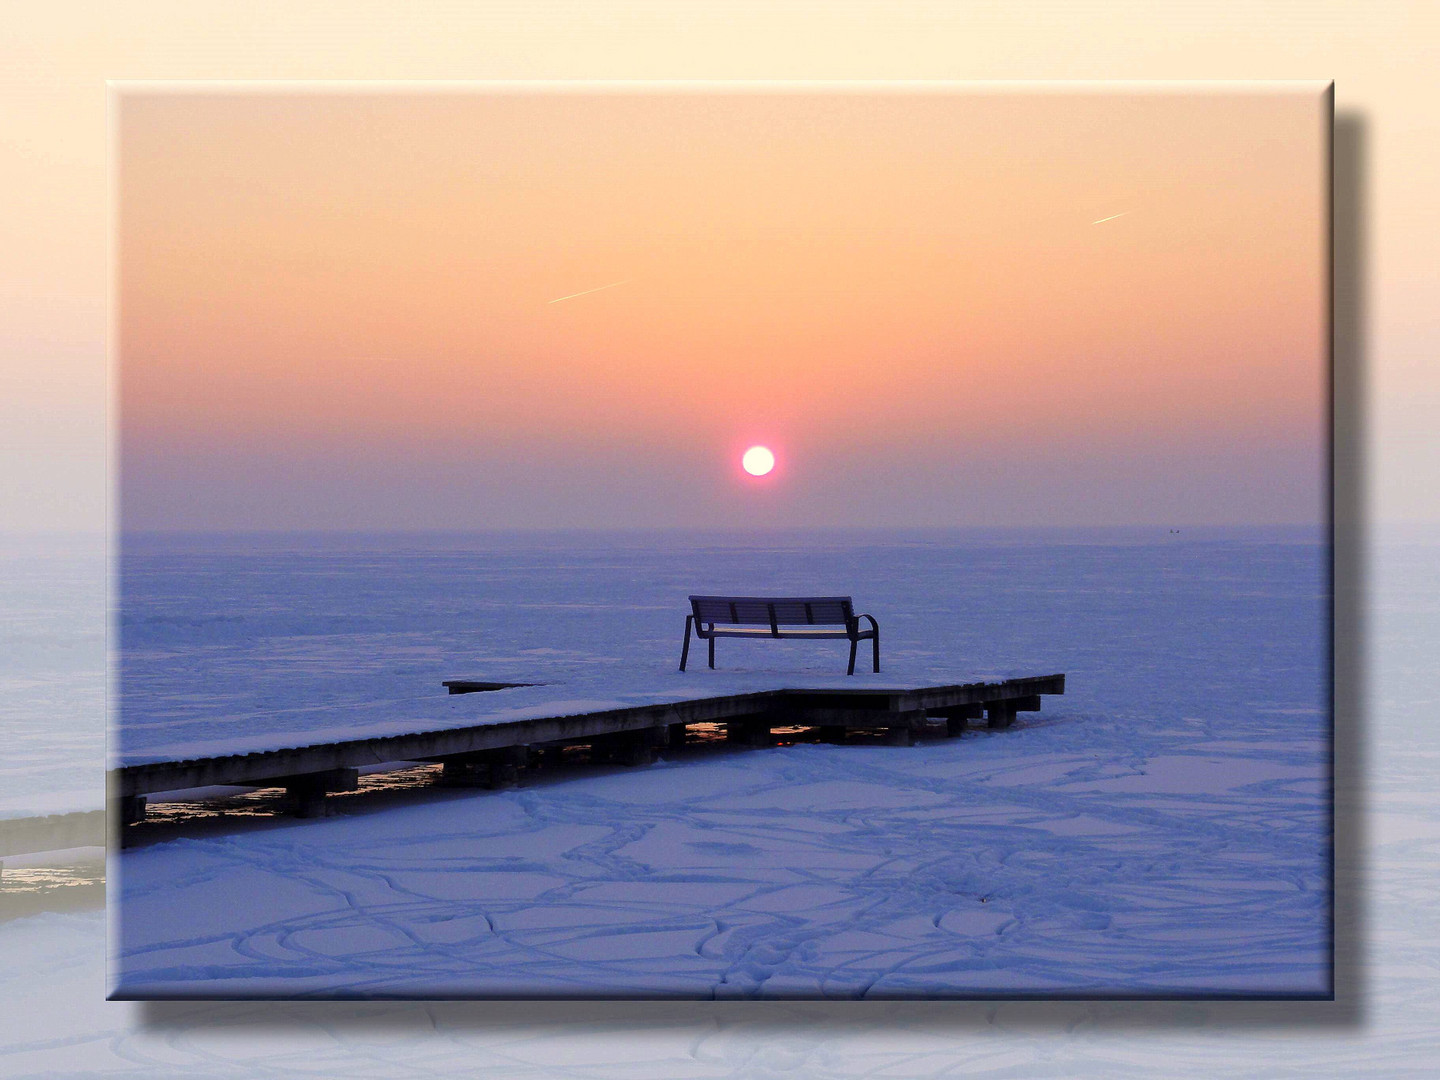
(757, 461)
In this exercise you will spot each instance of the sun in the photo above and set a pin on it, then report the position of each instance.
(757, 461)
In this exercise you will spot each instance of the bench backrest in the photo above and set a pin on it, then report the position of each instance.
(774, 610)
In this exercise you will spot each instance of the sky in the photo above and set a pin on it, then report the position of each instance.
(520, 307)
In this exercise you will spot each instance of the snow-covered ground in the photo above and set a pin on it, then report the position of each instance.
(1164, 828)
(56, 1022)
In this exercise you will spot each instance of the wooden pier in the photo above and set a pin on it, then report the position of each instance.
(491, 753)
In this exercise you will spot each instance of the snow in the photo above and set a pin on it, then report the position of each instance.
(1163, 828)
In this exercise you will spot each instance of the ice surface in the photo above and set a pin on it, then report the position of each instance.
(56, 1023)
(1111, 843)
(52, 684)
(262, 643)
(682, 891)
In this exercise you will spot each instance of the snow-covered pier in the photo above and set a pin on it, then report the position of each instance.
(490, 752)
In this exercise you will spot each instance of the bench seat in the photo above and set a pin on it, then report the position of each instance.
(765, 631)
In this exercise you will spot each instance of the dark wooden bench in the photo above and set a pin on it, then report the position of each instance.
(778, 617)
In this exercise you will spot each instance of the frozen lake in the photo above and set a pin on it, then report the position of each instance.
(259, 642)
(52, 674)
(58, 1023)
(1163, 828)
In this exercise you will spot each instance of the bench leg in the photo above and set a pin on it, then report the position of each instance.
(851, 669)
(875, 646)
(712, 652)
(685, 651)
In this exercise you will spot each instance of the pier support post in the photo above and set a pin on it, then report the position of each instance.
(307, 792)
(503, 773)
(638, 747)
(306, 801)
(748, 732)
(509, 762)
(486, 768)
(999, 714)
(455, 772)
(130, 809)
(636, 751)
(472, 772)
(630, 748)
(958, 717)
(904, 727)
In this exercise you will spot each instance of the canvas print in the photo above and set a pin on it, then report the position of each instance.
(721, 541)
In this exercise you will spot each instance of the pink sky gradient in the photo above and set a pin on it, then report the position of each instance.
(335, 308)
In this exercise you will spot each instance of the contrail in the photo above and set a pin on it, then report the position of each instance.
(587, 292)
(1112, 217)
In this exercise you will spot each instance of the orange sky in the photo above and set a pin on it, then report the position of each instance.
(334, 307)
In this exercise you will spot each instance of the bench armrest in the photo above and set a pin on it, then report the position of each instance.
(874, 626)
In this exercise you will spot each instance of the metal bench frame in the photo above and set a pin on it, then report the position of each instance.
(713, 617)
